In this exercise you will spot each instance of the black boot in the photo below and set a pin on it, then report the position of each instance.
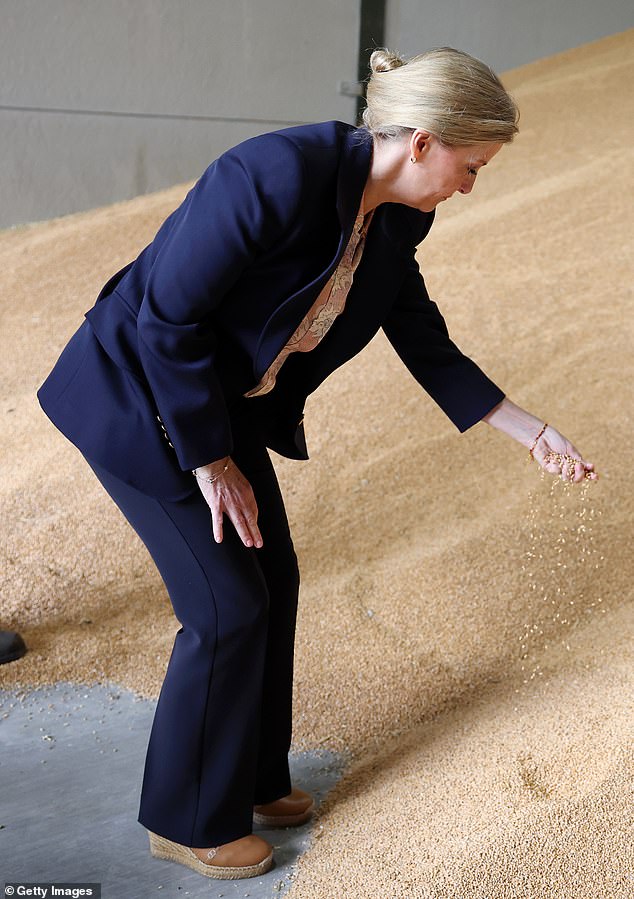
(12, 646)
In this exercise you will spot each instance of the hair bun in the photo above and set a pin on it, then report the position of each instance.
(384, 61)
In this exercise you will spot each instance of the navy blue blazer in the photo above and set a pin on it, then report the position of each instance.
(149, 384)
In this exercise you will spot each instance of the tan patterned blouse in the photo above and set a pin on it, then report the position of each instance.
(329, 304)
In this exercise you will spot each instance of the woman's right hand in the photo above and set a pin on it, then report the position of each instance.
(556, 455)
(230, 494)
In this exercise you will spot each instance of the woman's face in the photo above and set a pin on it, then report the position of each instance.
(441, 171)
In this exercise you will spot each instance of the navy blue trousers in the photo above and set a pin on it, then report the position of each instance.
(222, 727)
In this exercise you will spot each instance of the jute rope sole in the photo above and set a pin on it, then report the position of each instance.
(161, 847)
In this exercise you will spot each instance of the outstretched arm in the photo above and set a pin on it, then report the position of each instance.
(416, 329)
(418, 332)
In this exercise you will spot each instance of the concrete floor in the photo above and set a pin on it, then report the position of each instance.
(71, 761)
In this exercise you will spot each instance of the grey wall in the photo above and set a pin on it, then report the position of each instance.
(101, 100)
(504, 33)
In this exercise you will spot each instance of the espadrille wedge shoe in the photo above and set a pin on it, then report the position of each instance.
(249, 856)
(290, 811)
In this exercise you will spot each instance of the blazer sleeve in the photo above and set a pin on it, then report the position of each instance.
(418, 333)
(244, 202)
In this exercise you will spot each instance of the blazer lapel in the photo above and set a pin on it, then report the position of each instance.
(355, 155)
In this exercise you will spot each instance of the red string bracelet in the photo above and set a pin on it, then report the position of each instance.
(536, 440)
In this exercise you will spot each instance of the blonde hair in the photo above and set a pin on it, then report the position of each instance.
(444, 91)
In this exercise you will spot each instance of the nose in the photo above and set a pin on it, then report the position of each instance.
(467, 185)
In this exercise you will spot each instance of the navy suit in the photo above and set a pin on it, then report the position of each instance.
(198, 317)
(152, 386)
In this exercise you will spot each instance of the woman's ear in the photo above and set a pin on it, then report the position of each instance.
(419, 144)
